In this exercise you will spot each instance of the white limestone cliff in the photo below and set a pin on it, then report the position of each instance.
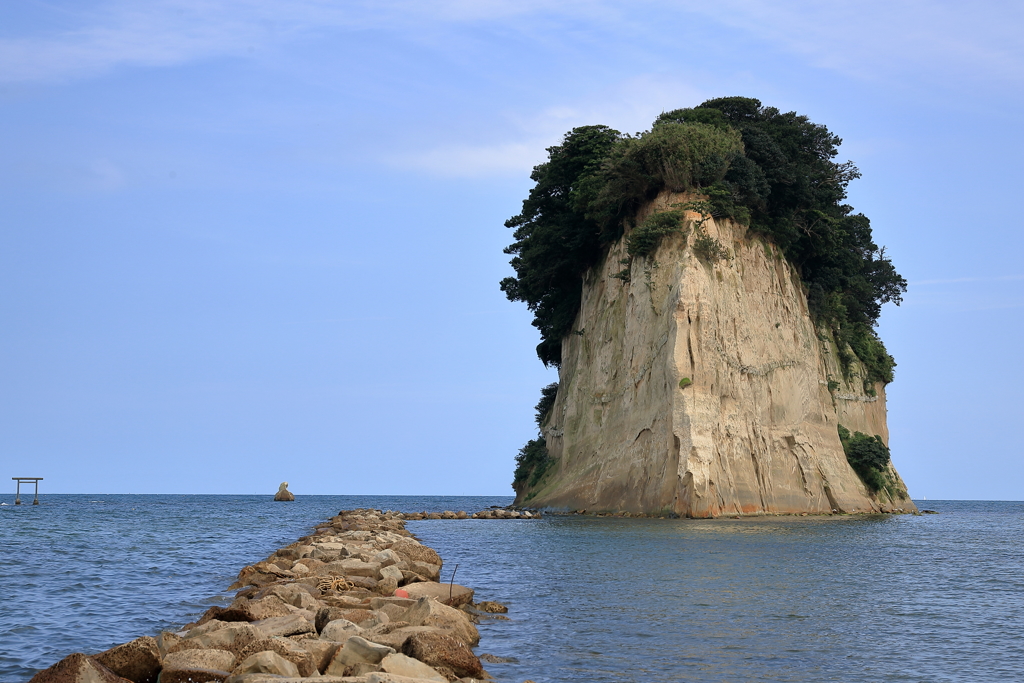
(756, 430)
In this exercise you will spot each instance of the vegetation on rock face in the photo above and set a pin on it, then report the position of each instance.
(531, 463)
(644, 238)
(869, 458)
(555, 240)
(533, 460)
(546, 402)
(770, 170)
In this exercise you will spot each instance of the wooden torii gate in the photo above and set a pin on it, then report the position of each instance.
(17, 495)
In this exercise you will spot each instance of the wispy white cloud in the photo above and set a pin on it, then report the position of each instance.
(169, 32)
(470, 162)
(630, 106)
(867, 39)
(880, 39)
(962, 280)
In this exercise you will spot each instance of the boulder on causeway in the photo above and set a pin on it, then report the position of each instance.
(396, 639)
(137, 660)
(287, 648)
(266, 662)
(394, 612)
(430, 572)
(355, 650)
(339, 630)
(326, 615)
(391, 572)
(451, 594)
(386, 558)
(231, 638)
(283, 494)
(189, 660)
(321, 652)
(77, 668)
(290, 625)
(412, 550)
(444, 653)
(403, 665)
(428, 612)
(294, 594)
(263, 608)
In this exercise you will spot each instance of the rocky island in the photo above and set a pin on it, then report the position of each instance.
(710, 304)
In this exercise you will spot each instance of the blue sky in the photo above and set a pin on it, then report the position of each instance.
(244, 242)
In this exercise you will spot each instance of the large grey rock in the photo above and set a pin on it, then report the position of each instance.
(405, 603)
(232, 638)
(399, 636)
(320, 651)
(431, 572)
(137, 660)
(211, 625)
(391, 571)
(459, 595)
(445, 653)
(188, 660)
(384, 677)
(266, 607)
(394, 612)
(326, 615)
(294, 594)
(339, 630)
(429, 612)
(386, 558)
(356, 650)
(286, 647)
(77, 668)
(354, 567)
(402, 665)
(291, 625)
(266, 662)
(283, 494)
(412, 550)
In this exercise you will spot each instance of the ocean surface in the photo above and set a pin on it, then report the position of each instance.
(889, 598)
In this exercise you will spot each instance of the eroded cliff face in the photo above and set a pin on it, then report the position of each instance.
(755, 430)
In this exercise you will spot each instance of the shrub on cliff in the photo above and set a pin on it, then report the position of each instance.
(644, 238)
(868, 457)
(555, 241)
(675, 156)
(531, 463)
(533, 459)
(546, 402)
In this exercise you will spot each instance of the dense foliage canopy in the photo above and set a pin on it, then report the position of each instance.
(774, 171)
(868, 456)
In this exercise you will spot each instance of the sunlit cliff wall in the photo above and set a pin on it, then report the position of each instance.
(756, 430)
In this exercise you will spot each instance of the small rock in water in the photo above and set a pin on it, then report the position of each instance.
(283, 494)
(492, 607)
(494, 659)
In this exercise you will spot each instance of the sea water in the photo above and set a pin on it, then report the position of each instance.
(886, 598)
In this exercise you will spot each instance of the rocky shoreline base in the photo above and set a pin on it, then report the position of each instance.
(357, 601)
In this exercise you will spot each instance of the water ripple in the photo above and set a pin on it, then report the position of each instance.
(81, 574)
